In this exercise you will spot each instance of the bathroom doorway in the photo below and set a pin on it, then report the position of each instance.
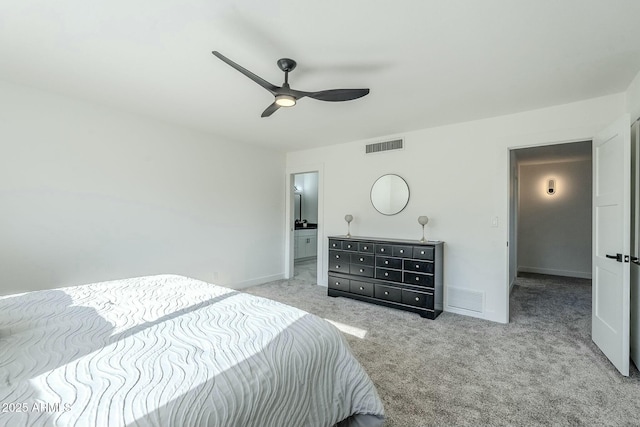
(305, 225)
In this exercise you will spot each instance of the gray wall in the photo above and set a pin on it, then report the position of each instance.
(554, 231)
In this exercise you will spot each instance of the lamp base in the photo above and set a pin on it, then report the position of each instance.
(423, 240)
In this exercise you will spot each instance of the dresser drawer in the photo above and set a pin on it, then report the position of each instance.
(418, 266)
(383, 249)
(387, 262)
(361, 270)
(401, 251)
(418, 299)
(335, 256)
(339, 266)
(418, 279)
(365, 247)
(350, 246)
(388, 293)
(361, 288)
(423, 252)
(335, 244)
(361, 259)
(339, 283)
(387, 274)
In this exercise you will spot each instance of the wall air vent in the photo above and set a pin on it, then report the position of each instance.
(465, 299)
(396, 144)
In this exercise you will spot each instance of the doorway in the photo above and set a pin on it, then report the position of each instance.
(550, 211)
(305, 227)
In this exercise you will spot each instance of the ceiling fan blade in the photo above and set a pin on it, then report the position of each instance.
(270, 110)
(262, 82)
(335, 95)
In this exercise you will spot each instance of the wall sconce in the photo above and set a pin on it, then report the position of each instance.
(551, 187)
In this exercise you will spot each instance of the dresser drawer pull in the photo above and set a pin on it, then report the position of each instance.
(337, 283)
(417, 266)
(337, 256)
(361, 259)
(348, 246)
(334, 245)
(366, 247)
(386, 262)
(362, 270)
(386, 292)
(381, 249)
(401, 251)
(386, 274)
(337, 266)
(421, 252)
(361, 288)
(417, 279)
(417, 298)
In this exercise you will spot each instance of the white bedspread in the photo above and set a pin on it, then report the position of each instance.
(172, 351)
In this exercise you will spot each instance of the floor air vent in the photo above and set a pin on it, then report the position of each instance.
(396, 144)
(465, 299)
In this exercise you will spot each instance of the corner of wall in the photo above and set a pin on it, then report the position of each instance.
(633, 98)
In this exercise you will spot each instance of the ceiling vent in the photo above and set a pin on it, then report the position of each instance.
(396, 144)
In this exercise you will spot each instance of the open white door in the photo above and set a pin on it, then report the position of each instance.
(635, 244)
(611, 242)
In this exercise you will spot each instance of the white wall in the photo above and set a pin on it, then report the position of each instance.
(554, 231)
(458, 176)
(633, 98)
(88, 193)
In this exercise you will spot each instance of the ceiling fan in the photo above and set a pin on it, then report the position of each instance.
(287, 97)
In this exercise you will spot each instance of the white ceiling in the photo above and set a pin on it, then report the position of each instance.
(426, 62)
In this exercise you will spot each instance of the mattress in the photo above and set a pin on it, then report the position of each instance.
(174, 351)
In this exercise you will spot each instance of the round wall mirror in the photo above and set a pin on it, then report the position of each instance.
(389, 194)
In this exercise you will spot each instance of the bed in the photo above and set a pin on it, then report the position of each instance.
(174, 351)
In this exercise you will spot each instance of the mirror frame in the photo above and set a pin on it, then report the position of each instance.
(406, 202)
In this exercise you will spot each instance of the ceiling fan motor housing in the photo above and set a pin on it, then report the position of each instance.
(287, 64)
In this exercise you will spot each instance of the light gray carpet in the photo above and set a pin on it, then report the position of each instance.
(540, 369)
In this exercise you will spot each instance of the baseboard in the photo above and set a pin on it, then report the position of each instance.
(486, 315)
(554, 272)
(256, 281)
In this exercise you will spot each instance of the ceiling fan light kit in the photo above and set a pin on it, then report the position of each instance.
(284, 95)
(285, 100)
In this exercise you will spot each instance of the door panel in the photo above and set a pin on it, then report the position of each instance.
(607, 296)
(635, 244)
(611, 236)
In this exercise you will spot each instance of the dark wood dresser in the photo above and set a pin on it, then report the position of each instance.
(404, 274)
